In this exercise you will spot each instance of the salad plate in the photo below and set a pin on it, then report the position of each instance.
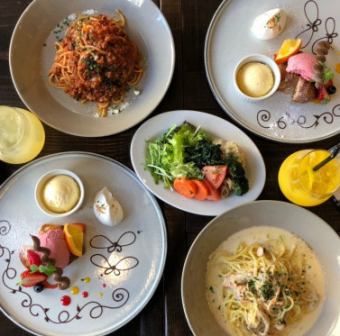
(120, 269)
(32, 51)
(217, 128)
(319, 236)
(276, 118)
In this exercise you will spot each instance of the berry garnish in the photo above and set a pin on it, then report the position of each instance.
(331, 89)
(29, 279)
(33, 258)
(38, 288)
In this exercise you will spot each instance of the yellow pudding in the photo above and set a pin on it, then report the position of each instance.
(255, 79)
(61, 193)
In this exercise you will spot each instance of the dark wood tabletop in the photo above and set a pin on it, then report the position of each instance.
(189, 20)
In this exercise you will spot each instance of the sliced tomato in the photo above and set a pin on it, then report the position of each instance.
(213, 194)
(215, 174)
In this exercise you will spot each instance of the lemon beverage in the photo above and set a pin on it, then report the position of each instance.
(305, 187)
(22, 135)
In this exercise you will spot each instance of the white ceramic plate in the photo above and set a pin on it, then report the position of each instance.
(256, 171)
(115, 296)
(32, 52)
(229, 39)
(318, 235)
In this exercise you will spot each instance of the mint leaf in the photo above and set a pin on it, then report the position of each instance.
(47, 269)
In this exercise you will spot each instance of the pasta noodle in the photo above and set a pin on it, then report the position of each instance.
(96, 61)
(264, 288)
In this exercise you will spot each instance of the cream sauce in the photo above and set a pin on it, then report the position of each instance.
(314, 274)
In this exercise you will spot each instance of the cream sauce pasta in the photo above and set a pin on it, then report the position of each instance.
(264, 281)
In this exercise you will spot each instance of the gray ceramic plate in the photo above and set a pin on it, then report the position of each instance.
(32, 52)
(116, 294)
(323, 240)
(229, 39)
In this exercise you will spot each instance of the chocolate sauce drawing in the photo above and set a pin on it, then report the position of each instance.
(311, 10)
(266, 120)
(94, 309)
(102, 242)
(330, 26)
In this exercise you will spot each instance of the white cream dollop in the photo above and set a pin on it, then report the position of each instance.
(107, 209)
(270, 24)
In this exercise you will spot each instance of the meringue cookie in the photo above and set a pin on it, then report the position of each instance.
(107, 209)
(270, 24)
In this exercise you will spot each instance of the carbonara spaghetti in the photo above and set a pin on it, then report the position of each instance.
(96, 61)
(264, 286)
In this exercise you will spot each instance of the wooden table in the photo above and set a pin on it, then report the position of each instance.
(189, 21)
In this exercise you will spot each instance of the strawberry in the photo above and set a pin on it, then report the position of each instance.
(323, 96)
(33, 258)
(29, 279)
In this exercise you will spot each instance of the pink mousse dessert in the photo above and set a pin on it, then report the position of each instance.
(54, 239)
(302, 64)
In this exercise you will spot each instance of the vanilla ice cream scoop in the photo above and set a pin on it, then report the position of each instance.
(107, 209)
(270, 24)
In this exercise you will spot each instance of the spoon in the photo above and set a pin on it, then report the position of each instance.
(334, 151)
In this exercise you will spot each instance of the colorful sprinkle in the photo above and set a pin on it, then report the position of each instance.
(65, 300)
(104, 285)
(85, 294)
(100, 294)
(86, 280)
(337, 67)
(75, 290)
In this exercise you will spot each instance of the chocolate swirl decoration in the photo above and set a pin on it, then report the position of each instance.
(311, 10)
(124, 264)
(5, 227)
(330, 26)
(120, 296)
(62, 281)
(265, 120)
(103, 242)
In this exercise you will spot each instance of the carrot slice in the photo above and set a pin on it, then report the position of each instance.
(202, 190)
(214, 194)
(185, 187)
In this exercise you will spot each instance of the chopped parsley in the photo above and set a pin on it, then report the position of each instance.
(267, 290)
(251, 286)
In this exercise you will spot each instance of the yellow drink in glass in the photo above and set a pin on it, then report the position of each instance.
(22, 135)
(303, 186)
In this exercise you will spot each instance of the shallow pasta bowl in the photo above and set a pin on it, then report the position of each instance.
(32, 51)
(312, 229)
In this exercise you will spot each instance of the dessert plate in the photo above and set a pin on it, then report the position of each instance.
(277, 118)
(32, 51)
(220, 128)
(114, 285)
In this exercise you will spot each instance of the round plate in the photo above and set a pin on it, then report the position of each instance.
(317, 234)
(116, 294)
(256, 171)
(277, 118)
(32, 51)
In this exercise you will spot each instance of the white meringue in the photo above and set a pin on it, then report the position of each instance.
(270, 24)
(107, 209)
